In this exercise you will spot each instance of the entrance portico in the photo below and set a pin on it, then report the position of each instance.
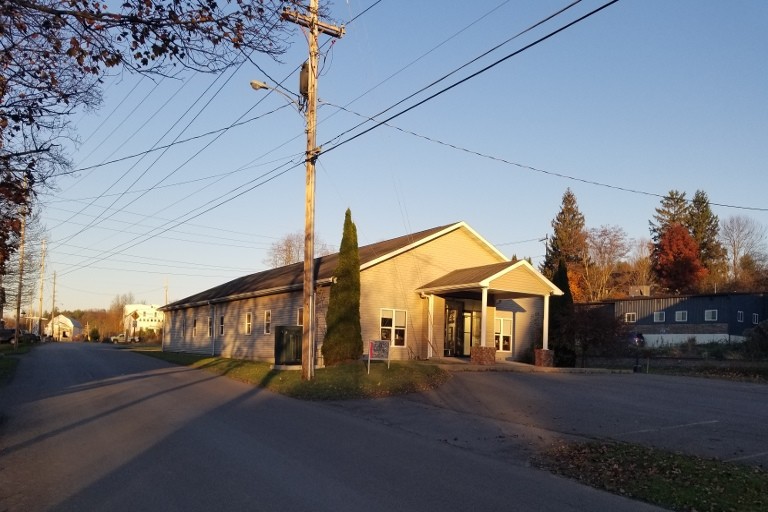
(470, 297)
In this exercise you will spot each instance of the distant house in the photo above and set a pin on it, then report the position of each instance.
(435, 293)
(138, 318)
(63, 328)
(705, 318)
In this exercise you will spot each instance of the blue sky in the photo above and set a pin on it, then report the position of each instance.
(641, 98)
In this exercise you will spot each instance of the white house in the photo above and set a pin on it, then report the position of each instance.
(138, 318)
(62, 328)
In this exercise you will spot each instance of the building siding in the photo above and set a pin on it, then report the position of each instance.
(523, 282)
(392, 284)
(527, 316)
(674, 330)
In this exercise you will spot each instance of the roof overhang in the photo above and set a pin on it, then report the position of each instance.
(503, 280)
(242, 296)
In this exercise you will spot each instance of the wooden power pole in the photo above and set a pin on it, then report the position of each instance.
(42, 279)
(310, 21)
(20, 288)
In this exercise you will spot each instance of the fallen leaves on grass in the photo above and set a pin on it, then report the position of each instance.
(675, 481)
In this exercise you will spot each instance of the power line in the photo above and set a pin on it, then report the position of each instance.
(456, 70)
(82, 264)
(190, 215)
(539, 170)
(277, 19)
(473, 75)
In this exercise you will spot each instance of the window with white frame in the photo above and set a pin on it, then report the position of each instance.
(194, 327)
(267, 322)
(503, 334)
(248, 323)
(300, 316)
(681, 316)
(755, 318)
(740, 316)
(221, 325)
(659, 316)
(210, 327)
(710, 315)
(393, 326)
(630, 318)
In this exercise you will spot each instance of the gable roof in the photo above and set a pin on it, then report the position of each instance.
(63, 319)
(488, 276)
(290, 277)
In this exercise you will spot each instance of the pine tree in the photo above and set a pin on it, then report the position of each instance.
(705, 230)
(568, 240)
(674, 209)
(561, 313)
(343, 338)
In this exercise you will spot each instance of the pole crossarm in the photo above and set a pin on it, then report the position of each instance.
(307, 20)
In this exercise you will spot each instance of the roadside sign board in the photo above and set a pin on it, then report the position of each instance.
(378, 350)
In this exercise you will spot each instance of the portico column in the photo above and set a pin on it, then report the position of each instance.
(545, 331)
(483, 316)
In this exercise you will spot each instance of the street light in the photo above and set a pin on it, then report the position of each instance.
(308, 288)
(258, 85)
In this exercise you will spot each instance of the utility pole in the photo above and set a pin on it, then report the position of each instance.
(315, 26)
(53, 302)
(42, 278)
(20, 289)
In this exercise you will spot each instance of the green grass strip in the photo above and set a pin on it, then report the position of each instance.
(342, 382)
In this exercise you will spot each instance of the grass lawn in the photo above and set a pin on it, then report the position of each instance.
(341, 382)
(755, 374)
(8, 364)
(674, 481)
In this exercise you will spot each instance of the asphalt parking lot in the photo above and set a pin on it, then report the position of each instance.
(512, 415)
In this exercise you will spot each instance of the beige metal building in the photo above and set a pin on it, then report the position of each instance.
(435, 293)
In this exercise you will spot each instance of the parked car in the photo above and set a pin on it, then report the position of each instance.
(120, 338)
(29, 337)
(6, 335)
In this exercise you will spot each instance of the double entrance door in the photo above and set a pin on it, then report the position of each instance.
(462, 327)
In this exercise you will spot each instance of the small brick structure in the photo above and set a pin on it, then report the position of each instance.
(482, 355)
(544, 358)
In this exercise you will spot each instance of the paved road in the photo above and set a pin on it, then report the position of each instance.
(513, 415)
(93, 427)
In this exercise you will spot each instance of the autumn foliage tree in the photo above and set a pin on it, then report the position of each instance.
(54, 55)
(676, 260)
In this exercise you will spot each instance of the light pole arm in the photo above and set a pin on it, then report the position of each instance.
(258, 85)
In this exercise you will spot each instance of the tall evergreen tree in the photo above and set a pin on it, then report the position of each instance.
(568, 240)
(561, 319)
(343, 338)
(705, 230)
(674, 209)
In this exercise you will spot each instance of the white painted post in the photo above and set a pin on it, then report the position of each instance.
(545, 331)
